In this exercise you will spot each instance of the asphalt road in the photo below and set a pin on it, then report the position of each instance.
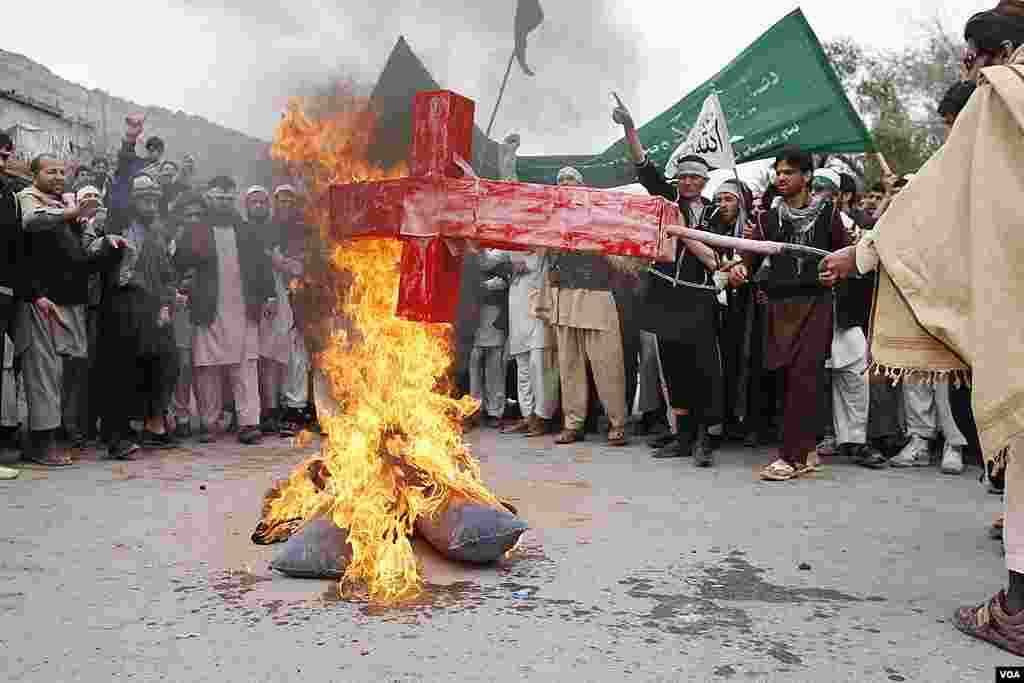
(636, 569)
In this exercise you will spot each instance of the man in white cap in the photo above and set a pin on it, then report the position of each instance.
(232, 289)
(586, 323)
(51, 323)
(138, 360)
(275, 341)
(289, 264)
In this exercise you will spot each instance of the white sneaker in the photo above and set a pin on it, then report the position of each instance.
(917, 453)
(9, 473)
(952, 460)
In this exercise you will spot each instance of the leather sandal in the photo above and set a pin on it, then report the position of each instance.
(617, 437)
(569, 436)
(780, 470)
(991, 623)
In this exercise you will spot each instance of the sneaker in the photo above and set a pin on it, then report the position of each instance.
(249, 435)
(952, 460)
(917, 453)
(9, 473)
(827, 446)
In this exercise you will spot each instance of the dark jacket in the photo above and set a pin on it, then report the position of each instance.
(791, 276)
(671, 311)
(129, 165)
(55, 263)
(11, 246)
(198, 250)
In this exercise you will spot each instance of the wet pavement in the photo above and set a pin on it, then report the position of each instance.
(634, 569)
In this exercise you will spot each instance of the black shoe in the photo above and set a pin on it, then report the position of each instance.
(183, 431)
(670, 450)
(205, 435)
(288, 429)
(703, 452)
(662, 440)
(269, 425)
(250, 436)
(752, 440)
(123, 450)
(872, 458)
(159, 442)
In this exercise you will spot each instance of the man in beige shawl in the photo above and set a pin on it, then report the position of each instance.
(953, 302)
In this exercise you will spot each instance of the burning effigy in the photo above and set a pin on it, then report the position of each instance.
(392, 457)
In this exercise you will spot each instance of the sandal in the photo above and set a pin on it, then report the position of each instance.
(991, 623)
(569, 436)
(780, 470)
(617, 437)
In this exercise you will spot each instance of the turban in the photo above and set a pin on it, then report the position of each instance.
(828, 179)
(285, 188)
(730, 186)
(691, 164)
(256, 189)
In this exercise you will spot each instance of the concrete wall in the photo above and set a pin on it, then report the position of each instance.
(94, 121)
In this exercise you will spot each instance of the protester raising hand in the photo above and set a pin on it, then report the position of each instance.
(133, 126)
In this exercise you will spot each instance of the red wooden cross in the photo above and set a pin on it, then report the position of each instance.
(442, 203)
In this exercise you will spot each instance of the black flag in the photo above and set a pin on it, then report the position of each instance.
(529, 16)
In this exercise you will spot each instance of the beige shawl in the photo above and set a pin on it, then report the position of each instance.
(951, 294)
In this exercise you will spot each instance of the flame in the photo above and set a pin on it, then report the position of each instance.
(395, 450)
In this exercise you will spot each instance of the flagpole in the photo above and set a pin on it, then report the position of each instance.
(501, 93)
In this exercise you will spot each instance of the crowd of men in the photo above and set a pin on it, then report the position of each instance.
(719, 344)
(716, 344)
(136, 303)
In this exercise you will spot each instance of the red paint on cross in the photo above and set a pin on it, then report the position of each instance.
(442, 203)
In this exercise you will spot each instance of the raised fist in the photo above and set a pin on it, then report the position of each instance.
(621, 115)
(133, 126)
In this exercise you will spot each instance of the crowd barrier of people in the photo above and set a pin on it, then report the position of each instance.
(140, 309)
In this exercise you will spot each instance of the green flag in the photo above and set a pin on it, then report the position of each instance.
(779, 91)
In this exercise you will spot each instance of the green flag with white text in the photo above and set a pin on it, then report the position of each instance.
(780, 91)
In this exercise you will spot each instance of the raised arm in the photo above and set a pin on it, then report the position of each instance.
(647, 174)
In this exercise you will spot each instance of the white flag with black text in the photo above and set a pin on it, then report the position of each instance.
(708, 139)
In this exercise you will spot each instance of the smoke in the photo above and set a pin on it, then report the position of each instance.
(580, 53)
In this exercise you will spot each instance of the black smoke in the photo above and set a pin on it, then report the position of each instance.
(580, 53)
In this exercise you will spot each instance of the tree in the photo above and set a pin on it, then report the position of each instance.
(896, 93)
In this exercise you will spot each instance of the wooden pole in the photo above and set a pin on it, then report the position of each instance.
(501, 93)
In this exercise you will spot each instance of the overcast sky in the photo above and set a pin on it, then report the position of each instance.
(235, 61)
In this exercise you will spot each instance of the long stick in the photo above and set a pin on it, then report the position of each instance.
(501, 93)
(740, 244)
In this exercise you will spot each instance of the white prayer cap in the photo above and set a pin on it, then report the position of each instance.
(569, 172)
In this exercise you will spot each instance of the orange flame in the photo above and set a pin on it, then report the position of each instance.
(395, 449)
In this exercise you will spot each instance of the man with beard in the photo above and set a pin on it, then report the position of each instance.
(137, 355)
(232, 289)
(52, 323)
(275, 332)
(955, 299)
(799, 308)
(289, 265)
(580, 305)
(190, 208)
(681, 307)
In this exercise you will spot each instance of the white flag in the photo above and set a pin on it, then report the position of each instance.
(708, 139)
